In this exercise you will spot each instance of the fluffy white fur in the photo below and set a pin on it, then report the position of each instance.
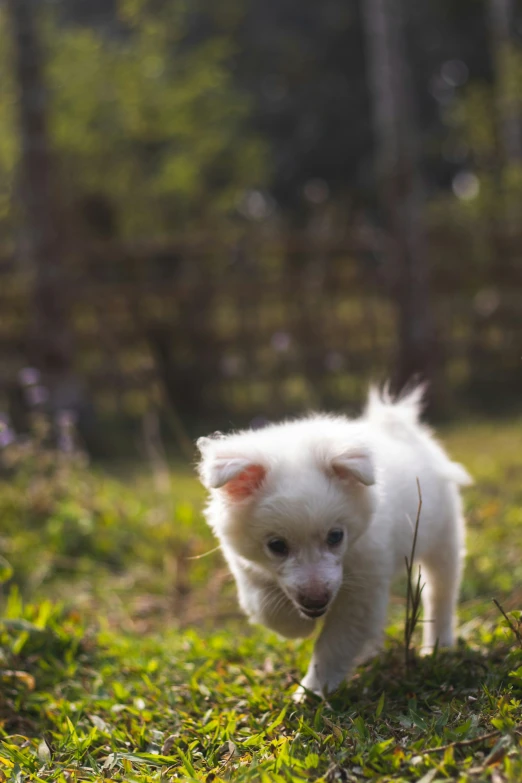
(306, 483)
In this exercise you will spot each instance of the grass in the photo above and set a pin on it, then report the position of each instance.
(122, 658)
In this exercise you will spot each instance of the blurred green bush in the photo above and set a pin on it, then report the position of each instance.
(62, 520)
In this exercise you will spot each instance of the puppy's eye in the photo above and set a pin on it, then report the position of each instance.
(278, 546)
(334, 537)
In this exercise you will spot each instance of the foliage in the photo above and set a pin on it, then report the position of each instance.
(111, 687)
(139, 118)
(474, 135)
(85, 523)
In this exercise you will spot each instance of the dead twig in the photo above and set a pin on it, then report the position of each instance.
(205, 554)
(459, 743)
(414, 591)
(515, 630)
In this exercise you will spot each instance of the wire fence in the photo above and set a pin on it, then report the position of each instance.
(262, 326)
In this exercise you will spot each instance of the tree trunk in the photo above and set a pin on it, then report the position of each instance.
(49, 340)
(507, 88)
(400, 187)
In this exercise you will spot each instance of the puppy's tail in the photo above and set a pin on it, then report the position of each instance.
(401, 417)
(401, 412)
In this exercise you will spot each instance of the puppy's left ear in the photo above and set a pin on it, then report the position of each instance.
(355, 464)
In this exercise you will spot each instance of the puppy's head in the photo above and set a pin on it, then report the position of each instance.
(290, 503)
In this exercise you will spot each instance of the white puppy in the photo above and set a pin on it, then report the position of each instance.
(316, 516)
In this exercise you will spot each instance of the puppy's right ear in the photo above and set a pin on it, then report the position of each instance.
(238, 476)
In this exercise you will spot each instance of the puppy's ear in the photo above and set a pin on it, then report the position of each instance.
(354, 464)
(238, 476)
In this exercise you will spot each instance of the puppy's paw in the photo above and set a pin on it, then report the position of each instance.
(299, 696)
(304, 692)
(444, 642)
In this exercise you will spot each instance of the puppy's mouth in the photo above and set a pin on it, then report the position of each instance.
(312, 614)
(311, 607)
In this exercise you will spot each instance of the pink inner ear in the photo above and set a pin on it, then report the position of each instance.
(246, 483)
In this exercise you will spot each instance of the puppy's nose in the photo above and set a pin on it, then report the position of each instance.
(314, 603)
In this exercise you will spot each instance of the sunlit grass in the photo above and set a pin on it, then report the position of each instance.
(141, 668)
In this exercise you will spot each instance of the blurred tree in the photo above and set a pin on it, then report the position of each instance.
(141, 120)
(154, 125)
(9, 146)
(161, 114)
(507, 61)
(49, 338)
(400, 185)
(301, 61)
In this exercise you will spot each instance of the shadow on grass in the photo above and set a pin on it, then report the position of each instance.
(430, 681)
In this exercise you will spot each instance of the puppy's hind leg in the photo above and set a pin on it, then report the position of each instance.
(441, 574)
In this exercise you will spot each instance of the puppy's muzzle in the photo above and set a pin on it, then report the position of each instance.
(313, 606)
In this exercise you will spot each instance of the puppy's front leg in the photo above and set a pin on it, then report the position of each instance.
(351, 624)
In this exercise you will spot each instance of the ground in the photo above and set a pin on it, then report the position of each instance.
(123, 657)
